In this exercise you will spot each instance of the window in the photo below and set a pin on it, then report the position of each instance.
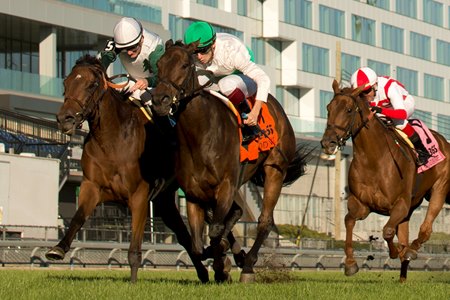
(363, 30)
(212, 3)
(409, 79)
(443, 50)
(279, 94)
(349, 64)
(380, 68)
(273, 57)
(392, 38)
(407, 8)
(315, 59)
(420, 45)
(292, 101)
(384, 4)
(425, 116)
(443, 124)
(325, 98)
(242, 7)
(298, 12)
(331, 21)
(259, 51)
(432, 12)
(433, 87)
(177, 27)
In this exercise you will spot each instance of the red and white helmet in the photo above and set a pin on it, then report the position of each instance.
(127, 32)
(364, 76)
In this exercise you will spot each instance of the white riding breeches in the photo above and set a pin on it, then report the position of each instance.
(229, 83)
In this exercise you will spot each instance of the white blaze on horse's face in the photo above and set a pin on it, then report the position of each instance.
(78, 76)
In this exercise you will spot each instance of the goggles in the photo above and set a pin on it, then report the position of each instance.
(133, 48)
(204, 50)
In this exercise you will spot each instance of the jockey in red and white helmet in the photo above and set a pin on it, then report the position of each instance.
(389, 97)
(138, 51)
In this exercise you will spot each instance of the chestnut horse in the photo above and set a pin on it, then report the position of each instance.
(383, 176)
(123, 156)
(208, 162)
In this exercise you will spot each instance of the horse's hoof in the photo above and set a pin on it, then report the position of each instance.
(239, 259)
(56, 253)
(402, 279)
(247, 278)
(351, 269)
(223, 277)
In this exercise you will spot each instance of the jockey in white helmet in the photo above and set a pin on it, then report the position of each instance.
(389, 97)
(138, 49)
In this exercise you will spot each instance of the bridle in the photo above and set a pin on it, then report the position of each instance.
(185, 90)
(350, 131)
(87, 107)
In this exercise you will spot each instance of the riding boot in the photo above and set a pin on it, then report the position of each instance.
(422, 152)
(249, 133)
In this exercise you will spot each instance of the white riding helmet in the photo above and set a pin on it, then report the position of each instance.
(364, 76)
(127, 32)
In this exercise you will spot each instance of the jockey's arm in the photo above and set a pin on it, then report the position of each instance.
(398, 110)
(108, 55)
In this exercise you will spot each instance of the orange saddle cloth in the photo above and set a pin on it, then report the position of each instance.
(265, 141)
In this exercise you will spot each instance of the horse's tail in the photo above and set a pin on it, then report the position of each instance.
(295, 170)
(297, 166)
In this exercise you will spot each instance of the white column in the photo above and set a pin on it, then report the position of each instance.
(47, 58)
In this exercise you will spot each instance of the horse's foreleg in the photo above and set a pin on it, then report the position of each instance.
(172, 218)
(434, 207)
(196, 219)
(405, 253)
(356, 211)
(234, 216)
(88, 199)
(139, 206)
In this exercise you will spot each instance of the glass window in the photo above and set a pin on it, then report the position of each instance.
(432, 12)
(315, 59)
(292, 101)
(433, 87)
(259, 51)
(443, 124)
(331, 21)
(212, 3)
(425, 116)
(407, 8)
(177, 27)
(409, 79)
(273, 57)
(298, 12)
(392, 38)
(242, 7)
(279, 94)
(379, 3)
(349, 64)
(420, 45)
(363, 30)
(443, 52)
(325, 98)
(382, 69)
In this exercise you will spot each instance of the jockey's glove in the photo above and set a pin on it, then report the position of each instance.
(376, 109)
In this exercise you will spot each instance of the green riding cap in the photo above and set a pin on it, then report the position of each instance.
(200, 31)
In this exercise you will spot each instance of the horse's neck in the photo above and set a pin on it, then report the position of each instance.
(372, 140)
(112, 119)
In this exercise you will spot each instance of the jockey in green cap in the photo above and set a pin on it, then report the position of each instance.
(231, 62)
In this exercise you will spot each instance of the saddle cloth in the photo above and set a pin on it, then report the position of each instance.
(265, 141)
(430, 144)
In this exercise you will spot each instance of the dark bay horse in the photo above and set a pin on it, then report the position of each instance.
(123, 156)
(383, 176)
(207, 163)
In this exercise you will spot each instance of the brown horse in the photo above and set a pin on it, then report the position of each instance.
(383, 176)
(207, 163)
(123, 156)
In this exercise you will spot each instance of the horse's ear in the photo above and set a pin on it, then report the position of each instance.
(336, 88)
(192, 47)
(169, 43)
(358, 90)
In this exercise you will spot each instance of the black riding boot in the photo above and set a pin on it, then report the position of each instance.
(422, 152)
(249, 133)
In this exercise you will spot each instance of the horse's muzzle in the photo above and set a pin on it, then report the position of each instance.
(329, 146)
(67, 123)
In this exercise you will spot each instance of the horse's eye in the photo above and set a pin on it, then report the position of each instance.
(349, 110)
(185, 66)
